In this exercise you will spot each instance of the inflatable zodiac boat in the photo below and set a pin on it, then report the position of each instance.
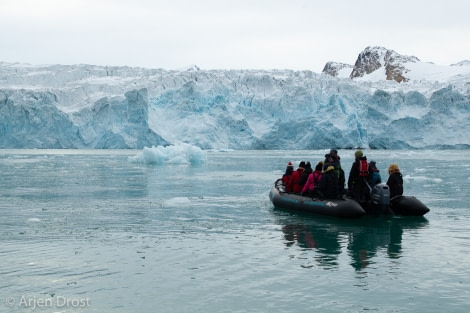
(380, 203)
(347, 208)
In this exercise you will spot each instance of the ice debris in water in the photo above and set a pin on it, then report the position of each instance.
(177, 201)
(181, 153)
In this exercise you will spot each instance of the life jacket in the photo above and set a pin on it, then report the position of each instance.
(363, 167)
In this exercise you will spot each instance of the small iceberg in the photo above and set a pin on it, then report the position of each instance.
(181, 153)
(177, 201)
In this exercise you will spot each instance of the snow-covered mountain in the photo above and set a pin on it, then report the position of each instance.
(86, 106)
(379, 63)
(337, 69)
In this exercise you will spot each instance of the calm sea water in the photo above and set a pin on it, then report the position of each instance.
(89, 231)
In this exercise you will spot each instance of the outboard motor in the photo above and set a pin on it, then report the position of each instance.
(379, 199)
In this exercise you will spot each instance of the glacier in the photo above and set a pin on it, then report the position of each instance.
(106, 107)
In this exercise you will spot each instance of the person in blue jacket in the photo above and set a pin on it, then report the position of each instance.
(374, 177)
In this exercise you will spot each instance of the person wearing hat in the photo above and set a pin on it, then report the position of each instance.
(329, 187)
(287, 174)
(395, 181)
(357, 185)
(374, 177)
(332, 159)
(294, 181)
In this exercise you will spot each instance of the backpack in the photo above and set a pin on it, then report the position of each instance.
(363, 168)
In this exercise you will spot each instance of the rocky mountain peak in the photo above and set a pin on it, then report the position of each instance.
(373, 58)
(334, 68)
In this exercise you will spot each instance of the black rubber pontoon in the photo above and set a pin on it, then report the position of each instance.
(381, 203)
(345, 208)
(407, 206)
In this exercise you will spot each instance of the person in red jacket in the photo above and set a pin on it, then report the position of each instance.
(294, 181)
(287, 174)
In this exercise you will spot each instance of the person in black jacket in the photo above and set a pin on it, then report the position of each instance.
(332, 159)
(395, 181)
(307, 171)
(357, 185)
(328, 186)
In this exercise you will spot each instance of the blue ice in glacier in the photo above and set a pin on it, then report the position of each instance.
(99, 107)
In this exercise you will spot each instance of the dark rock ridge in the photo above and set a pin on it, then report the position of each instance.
(333, 68)
(372, 59)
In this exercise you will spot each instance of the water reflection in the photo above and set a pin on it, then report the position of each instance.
(362, 239)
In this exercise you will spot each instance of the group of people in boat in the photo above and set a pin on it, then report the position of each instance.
(327, 179)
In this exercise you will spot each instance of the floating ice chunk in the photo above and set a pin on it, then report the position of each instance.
(181, 153)
(422, 179)
(177, 201)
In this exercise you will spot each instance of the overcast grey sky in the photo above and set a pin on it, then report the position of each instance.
(234, 34)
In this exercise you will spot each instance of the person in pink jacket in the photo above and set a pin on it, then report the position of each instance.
(313, 180)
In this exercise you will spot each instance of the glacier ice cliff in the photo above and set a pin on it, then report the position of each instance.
(86, 106)
(32, 119)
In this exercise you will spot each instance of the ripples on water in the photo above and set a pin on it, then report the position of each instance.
(134, 237)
